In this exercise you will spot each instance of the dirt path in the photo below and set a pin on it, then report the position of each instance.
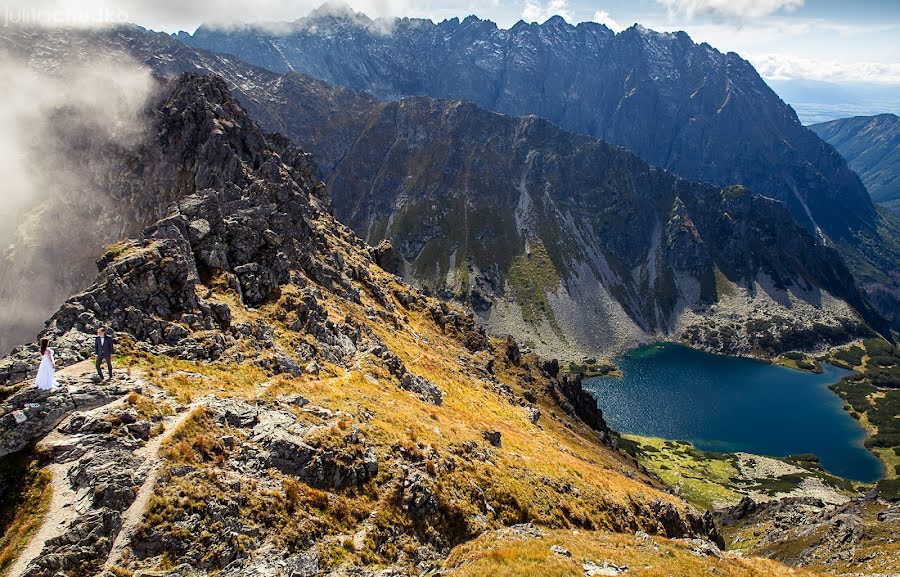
(61, 512)
(64, 503)
(152, 465)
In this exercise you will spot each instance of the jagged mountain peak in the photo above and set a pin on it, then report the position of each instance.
(713, 89)
(714, 118)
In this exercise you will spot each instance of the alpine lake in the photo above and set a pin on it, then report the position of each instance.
(731, 404)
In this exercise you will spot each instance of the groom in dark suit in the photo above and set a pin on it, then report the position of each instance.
(103, 349)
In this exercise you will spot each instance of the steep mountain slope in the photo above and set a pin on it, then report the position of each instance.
(686, 107)
(871, 145)
(324, 416)
(576, 246)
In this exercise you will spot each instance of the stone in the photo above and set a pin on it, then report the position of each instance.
(512, 353)
(139, 429)
(890, 514)
(559, 550)
(492, 437)
(605, 569)
(305, 564)
(128, 416)
(703, 548)
(418, 495)
(425, 389)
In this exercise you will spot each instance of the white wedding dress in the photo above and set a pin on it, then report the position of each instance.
(45, 378)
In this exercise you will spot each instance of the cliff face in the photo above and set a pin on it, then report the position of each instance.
(686, 107)
(561, 239)
(571, 241)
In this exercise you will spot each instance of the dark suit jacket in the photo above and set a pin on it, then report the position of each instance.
(106, 349)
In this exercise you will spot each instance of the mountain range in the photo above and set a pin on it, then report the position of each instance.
(575, 246)
(871, 145)
(685, 107)
(277, 386)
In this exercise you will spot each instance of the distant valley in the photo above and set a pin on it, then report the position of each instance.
(871, 145)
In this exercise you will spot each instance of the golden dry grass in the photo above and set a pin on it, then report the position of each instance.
(556, 473)
(493, 555)
(29, 514)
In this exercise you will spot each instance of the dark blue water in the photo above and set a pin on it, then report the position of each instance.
(730, 404)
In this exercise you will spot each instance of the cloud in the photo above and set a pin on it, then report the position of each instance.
(603, 17)
(176, 14)
(104, 96)
(787, 67)
(50, 122)
(728, 10)
(535, 11)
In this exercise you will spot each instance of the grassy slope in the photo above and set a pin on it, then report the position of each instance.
(25, 500)
(708, 479)
(493, 555)
(702, 478)
(555, 473)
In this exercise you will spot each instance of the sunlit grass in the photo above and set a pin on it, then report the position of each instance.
(31, 507)
(493, 556)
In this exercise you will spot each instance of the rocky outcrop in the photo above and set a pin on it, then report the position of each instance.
(30, 414)
(571, 396)
(148, 288)
(805, 531)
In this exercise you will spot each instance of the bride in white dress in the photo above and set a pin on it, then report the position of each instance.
(45, 378)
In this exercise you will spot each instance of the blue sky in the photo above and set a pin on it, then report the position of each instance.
(854, 46)
(826, 40)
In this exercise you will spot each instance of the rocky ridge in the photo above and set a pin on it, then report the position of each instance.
(871, 145)
(851, 538)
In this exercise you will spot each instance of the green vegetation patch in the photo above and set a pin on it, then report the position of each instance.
(592, 368)
(708, 479)
(873, 396)
(703, 478)
(531, 277)
(798, 361)
(852, 356)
